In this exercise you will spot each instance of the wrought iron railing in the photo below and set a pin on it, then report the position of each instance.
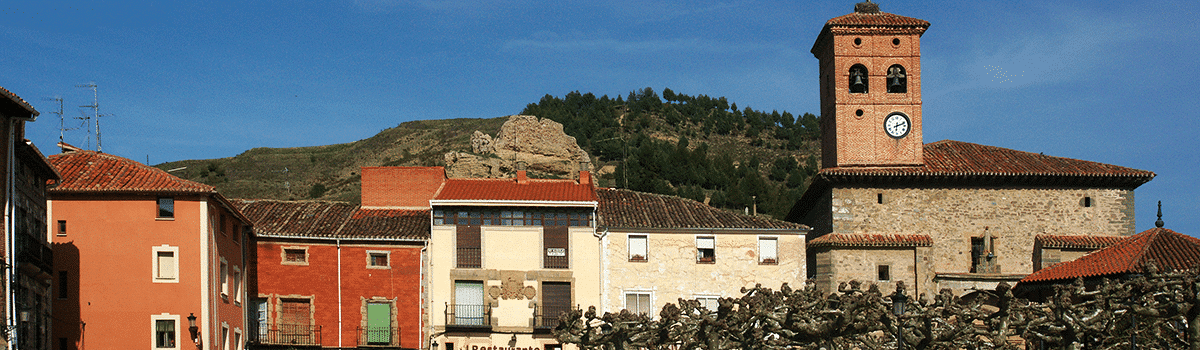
(379, 336)
(468, 315)
(546, 316)
(293, 334)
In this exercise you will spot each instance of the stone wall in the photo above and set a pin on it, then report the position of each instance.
(862, 265)
(952, 216)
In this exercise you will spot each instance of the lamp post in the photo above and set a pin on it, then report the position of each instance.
(899, 301)
(193, 329)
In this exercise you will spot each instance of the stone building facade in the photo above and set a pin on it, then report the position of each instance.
(951, 215)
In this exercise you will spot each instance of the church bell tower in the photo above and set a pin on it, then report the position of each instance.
(870, 89)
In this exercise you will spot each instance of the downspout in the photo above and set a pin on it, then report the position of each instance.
(10, 305)
(339, 287)
(603, 260)
(422, 300)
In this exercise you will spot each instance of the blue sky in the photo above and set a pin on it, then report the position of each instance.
(1105, 81)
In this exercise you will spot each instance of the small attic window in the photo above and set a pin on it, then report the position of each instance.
(896, 41)
(879, 198)
(1087, 202)
(857, 41)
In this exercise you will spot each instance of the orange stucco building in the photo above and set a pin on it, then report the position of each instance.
(138, 251)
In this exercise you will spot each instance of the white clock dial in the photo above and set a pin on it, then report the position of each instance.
(896, 125)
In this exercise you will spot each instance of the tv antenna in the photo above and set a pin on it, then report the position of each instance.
(95, 106)
(62, 121)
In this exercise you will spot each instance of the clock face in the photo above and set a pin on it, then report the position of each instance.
(896, 125)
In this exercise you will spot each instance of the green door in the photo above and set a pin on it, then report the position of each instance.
(379, 323)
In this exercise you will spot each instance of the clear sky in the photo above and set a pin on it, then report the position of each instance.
(1107, 81)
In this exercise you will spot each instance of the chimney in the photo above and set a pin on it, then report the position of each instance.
(585, 177)
(522, 178)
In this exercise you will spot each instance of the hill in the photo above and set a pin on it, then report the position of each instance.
(692, 146)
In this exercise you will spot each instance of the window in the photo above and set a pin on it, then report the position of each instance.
(295, 312)
(638, 302)
(554, 239)
(469, 308)
(768, 250)
(884, 273)
(637, 248)
(224, 279)
(295, 255)
(708, 301)
(224, 336)
(858, 79)
(164, 328)
(897, 81)
(377, 259)
(224, 224)
(1087, 203)
(165, 264)
(706, 251)
(62, 227)
(469, 254)
(556, 300)
(237, 339)
(166, 207)
(237, 284)
(982, 255)
(62, 285)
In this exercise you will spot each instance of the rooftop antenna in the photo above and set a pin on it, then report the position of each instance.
(62, 121)
(95, 106)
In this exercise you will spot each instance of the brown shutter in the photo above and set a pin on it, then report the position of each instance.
(468, 246)
(555, 251)
(556, 299)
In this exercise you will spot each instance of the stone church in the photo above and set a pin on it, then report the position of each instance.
(887, 207)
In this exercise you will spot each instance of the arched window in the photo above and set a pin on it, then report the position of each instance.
(897, 80)
(858, 79)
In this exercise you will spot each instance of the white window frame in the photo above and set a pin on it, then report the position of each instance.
(387, 255)
(154, 329)
(154, 266)
(702, 297)
(712, 240)
(762, 257)
(237, 284)
(225, 336)
(645, 253)
(224, 279)
(239, 342)
(649, 295)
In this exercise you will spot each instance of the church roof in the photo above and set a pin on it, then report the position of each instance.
(867, 19)
(86, 171)
(956, 160)
(323, 219)
(856, 240)
(621, 208)
(1168, 249)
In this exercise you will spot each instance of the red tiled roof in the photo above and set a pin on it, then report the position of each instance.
(1077, 242)
(1168, 249)
(536, 190)
(870, 240)
(91, 172)
(318, 219)
(631, 209)
(20, 102)
(955, 159)
(875, 19)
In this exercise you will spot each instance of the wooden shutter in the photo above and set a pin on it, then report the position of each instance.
(556, 242)
(556, 299)
(469, 251)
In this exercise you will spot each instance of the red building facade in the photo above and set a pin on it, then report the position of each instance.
(335, 275)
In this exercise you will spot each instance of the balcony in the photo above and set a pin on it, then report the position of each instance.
(379, 336)
(468, 316)
(290, 334)
(33, 251)
(545, 317)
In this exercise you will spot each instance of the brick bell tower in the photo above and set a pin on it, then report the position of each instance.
(870, 88)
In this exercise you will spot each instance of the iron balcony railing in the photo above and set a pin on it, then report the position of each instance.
(468, 315)
(379, 336)
(292, 334)
(546, 316)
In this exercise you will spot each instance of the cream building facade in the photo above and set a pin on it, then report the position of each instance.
(659, 249)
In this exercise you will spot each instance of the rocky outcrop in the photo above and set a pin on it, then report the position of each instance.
(539, 143)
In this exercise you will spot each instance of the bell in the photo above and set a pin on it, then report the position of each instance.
(858, 83)
(896, 82)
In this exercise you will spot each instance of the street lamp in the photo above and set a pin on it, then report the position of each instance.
(899, 301)
(193, 329)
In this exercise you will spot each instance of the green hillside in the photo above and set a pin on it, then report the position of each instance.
(697, 147)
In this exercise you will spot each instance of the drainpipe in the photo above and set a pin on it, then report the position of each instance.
(603, 278)
(10, 242)
(339, 287)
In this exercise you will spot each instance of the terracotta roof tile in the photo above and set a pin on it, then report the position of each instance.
(1077, 242)
(1169, 250)
(955, 159)
(19, 101)
(631, 209)
(870, 240)
(318, 219)
(91, 172)
(510, 190)
(876, 19)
